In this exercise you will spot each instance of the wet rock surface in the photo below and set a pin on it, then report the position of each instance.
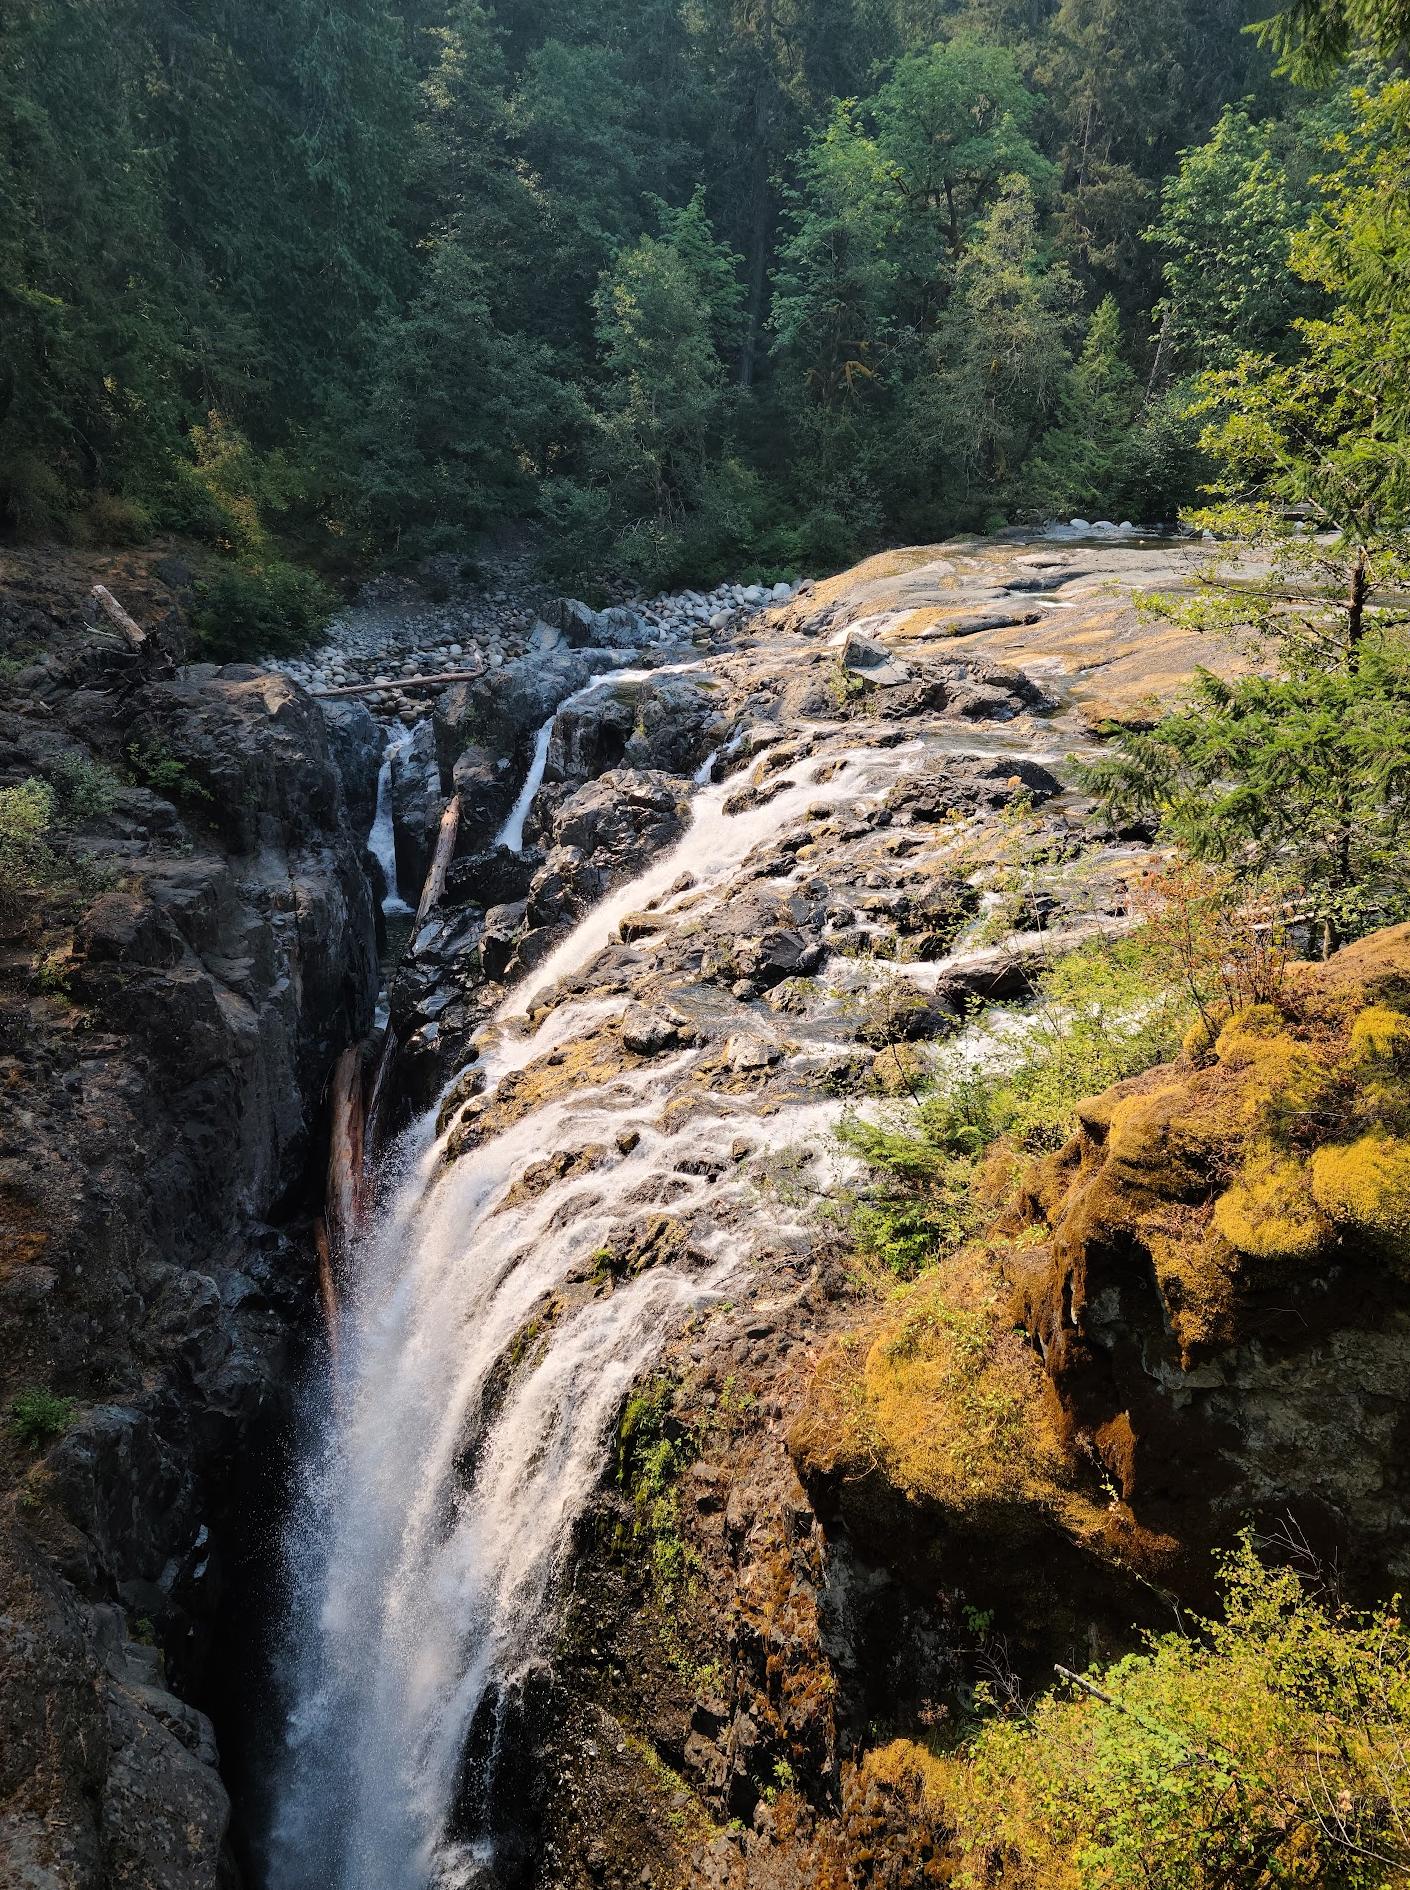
(753, 887)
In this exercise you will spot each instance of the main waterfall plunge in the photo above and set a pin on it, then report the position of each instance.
(450, 1455)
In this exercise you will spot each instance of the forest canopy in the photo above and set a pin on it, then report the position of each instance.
(730, 282)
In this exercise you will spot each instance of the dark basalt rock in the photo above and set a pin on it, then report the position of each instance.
(163, 1116)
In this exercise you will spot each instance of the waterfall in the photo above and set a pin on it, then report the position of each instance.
(456, 1444)
(511, 834)
(382, 840)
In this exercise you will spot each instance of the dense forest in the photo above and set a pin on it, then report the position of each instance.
(701, 284)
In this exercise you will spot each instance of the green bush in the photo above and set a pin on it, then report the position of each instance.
(252, 611)
(27, 859)
(1271, 1747)
(165, 773)
(37, 1416)
(1104, 1012)
(84, 787)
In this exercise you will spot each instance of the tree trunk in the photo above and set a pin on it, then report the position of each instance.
(953, 233)
(760, 200)
(132, 632)
(1356, 607)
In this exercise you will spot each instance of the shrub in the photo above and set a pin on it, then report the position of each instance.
(251, 611)
(1103, 1013)
(1270, 1747)
(37, 1416)
(165, 773)
(110, 519)
(84, 787)
(27, 859)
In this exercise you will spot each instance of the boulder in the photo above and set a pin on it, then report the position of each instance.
(872, 661)
(356, 741)
(417, 804)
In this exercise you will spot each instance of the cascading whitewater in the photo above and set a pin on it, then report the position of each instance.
(439, 1500)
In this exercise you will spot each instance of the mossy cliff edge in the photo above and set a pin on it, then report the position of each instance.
(1193, 1315)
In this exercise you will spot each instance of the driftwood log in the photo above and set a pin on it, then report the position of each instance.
(372, 1133)
(440, 863)
(404, 682)
(327, 1292)
(132, 632)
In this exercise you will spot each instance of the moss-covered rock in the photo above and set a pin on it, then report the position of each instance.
(1270, 1212)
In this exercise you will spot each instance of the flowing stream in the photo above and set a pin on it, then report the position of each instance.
(450, 1454)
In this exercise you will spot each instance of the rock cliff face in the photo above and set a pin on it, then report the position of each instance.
(175, 992)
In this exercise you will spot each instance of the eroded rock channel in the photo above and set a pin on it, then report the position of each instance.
(581, 1584)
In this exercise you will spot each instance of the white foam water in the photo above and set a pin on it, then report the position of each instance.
(511, 834)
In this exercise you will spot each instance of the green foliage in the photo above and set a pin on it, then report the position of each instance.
(1266, 1747)
(1103, 1012)
(331, 282)
(1225, 232)
(28, 861)
(652, 1451)
(269, 609)
(999, 361)
(37, 1417)
(165, 773)
(85, 788)
(1305, 774)
(1082, 461)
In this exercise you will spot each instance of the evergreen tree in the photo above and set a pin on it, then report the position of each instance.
(1225, 232)
(834, 293)
(1081, 464)
(1000, 362)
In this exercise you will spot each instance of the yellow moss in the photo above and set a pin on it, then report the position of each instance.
(1248, 1034)
(904, 1766)
(1156, 1137)
(1270, 1212)
(1198, 1040)
(1282, 1078)
(957, 1403)
(1366, 1185)
(1380, 1035)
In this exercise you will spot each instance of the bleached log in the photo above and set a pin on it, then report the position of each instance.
(327, 1291)
(440, 863)
(376, 1102)
(132, 632)
(403, 682)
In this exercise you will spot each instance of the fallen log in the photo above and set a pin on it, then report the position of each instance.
(345, 1164)
(132, 632)
(403, 682)
(376, 1102)
(440, 863)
